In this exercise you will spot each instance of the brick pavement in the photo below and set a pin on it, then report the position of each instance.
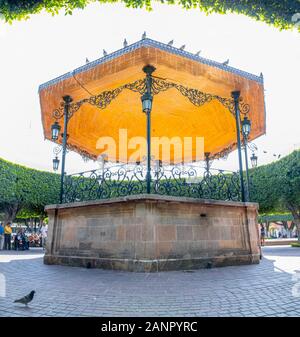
(254, 290)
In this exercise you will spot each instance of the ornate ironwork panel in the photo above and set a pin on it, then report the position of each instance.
(122, 180)
(195, 96)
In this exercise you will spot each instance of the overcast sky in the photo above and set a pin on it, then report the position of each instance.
(44, 47)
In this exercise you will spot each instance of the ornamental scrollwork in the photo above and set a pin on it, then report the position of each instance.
(159, 85)
(137, 86)
(83, 153)
(195, 96)
(122, 180)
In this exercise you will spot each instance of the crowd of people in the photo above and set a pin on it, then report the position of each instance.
(21, 239)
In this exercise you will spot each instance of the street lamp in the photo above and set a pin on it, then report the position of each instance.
(147, 106)
(55, 163)
(55, 129)
(253, 160)
(246, 127)
(147, 102)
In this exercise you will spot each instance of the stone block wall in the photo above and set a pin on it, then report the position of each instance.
(151, 233)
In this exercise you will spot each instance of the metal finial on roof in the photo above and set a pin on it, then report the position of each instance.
(144, 36)
(155, 44)
(125, 43)
(87, 60)
(104, 52)
(226, 63)
(198, 53)
(182, 47)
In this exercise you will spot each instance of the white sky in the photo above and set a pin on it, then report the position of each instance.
(44, 47)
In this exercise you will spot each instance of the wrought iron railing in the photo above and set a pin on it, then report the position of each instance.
(123, 180)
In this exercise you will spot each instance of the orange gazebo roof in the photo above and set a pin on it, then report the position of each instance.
(173, 114)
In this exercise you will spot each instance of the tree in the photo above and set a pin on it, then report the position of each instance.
(26, 190)
(275, 12)
(276, 187)
(289, 187)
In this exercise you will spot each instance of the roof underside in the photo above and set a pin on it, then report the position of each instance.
(173, 115)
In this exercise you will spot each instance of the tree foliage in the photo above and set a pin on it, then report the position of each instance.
(276, 187)
(26, 190)
(275, 12)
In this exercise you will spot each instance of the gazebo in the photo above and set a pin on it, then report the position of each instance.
(154, 117)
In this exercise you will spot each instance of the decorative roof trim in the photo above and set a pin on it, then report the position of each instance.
(152, 43)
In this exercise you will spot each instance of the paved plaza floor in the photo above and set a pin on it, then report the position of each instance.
(271, 288)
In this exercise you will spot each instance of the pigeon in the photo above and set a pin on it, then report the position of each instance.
(144, 36)
(104, 52)
(125, 43)
(170, 43)
(198, 53)
(87, 60)
(226, 62)
(182, 47)
(26, 299)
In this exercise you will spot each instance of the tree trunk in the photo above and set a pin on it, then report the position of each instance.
(297, 222)
(296, 216)
(10, 212)
(267, 228)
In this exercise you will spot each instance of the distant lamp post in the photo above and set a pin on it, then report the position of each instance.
(55, 129)
(253, 160)
(55, 163)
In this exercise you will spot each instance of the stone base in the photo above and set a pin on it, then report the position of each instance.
(152, 265)
(148, 233)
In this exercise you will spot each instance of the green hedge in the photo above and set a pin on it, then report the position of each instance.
(26, 189)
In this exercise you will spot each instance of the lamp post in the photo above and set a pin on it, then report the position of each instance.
(246, 128)
(207, 162)
(236, 96)
(67, 100)
(55, 130)
(147, 99)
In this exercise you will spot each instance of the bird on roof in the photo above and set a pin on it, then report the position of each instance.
(26, 299)
(198, 53)
(144, 36)
(125, 43)
(182, 47)
(87, 60)
(170, 43)
(104, 52)
(225, 63)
